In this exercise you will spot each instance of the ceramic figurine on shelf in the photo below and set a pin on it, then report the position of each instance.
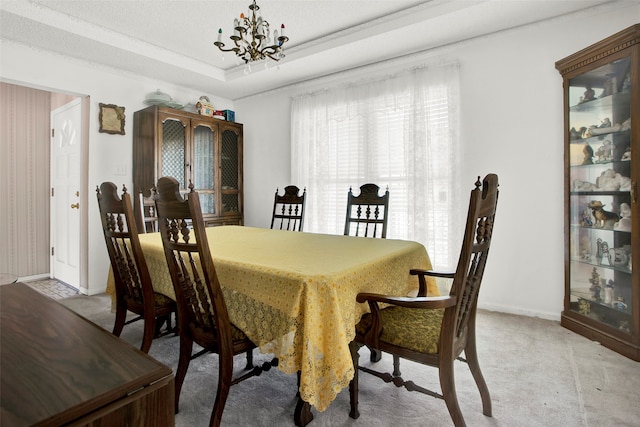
(589, 94)
(624, 224)
(606, 123)
(624, 326)
(610, 180)
(595, 284)
(602, 218)
(626, 125)
(204, 106)
(584, 307)
(585, 248)
(621, 256)
(602, 250)
(604, 153)
(586, 219)
(577, 133)
(588, 154)
(620, 304)
(608, 292)
(584, 186)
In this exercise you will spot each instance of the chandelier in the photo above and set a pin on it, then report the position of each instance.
(252, 38)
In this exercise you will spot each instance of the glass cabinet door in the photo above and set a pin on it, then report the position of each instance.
(230, 174)
(202, 166)
(173, 142)
(599, 204)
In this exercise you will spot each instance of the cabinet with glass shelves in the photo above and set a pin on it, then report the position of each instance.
(602, 233)
(194, 149)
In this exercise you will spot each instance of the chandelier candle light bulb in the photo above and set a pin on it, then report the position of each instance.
(252, 38)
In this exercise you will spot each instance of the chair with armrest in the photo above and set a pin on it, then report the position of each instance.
(434, 331)
(202, 312)
(367, 213)
(148, 214)
(134, 289)
(288, 209)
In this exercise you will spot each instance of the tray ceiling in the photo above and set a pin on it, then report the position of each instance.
(172, 40)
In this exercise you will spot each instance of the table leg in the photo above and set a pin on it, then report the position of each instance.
(302, 415)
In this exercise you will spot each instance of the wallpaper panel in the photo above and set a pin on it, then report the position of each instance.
(24, 180)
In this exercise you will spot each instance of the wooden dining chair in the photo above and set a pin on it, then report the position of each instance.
(288, 209)
(435, 330)
(367, 213)
(134, 289)
(202, 312)
(147, 214)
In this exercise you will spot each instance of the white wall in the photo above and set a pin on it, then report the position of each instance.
(108, 155)
(512, 124)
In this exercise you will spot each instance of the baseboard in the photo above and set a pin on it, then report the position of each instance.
(43, 276)
(520, 311)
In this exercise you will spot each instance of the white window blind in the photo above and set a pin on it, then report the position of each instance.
(399, 132)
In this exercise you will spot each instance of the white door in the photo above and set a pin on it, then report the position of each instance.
(66, 137)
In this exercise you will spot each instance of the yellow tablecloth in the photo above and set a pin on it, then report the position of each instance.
(294, 294)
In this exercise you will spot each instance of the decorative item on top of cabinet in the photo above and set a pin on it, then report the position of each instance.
(191, 148)
(602, 168)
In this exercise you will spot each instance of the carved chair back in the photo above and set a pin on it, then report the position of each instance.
(134, 289)
(288, 209)
(201, 307)
(148, 215)
(474, 253)
(367, 213)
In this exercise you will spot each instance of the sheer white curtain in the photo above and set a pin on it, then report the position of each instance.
(399, 132)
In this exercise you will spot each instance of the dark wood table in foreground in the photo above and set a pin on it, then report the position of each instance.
(57, 368)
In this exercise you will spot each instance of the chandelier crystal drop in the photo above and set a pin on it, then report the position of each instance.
(252, 38)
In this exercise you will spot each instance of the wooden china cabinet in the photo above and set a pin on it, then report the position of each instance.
(194, 149)
(602, 170)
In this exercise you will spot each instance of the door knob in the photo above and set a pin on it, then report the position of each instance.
(75, 206)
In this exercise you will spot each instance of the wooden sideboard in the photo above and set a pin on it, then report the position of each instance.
(57, 368)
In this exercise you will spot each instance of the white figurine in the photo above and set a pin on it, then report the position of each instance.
(624, 223)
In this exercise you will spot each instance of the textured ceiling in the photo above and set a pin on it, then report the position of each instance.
(172, 40)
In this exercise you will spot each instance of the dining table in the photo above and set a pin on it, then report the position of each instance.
(294, 293)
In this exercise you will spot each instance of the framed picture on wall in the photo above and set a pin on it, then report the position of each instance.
(111, 119)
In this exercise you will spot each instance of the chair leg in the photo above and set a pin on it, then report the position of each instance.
(160, 321)
(186, 346)
(375, 356)
(121, 317)
(249, 360)
(448, 386)
(471, 354)
(149, 333)
(225, 373)
(396, 366)
(353, 385)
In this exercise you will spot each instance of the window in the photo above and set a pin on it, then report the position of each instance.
(399, 132)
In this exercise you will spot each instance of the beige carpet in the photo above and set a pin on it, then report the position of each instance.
(538, 373)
